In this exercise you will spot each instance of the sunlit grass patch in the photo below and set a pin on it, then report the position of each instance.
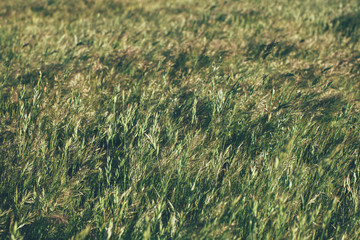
(189, 119)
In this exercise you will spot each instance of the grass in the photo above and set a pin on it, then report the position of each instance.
(183, 119)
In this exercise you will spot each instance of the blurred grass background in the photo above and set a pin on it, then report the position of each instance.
(182, 119)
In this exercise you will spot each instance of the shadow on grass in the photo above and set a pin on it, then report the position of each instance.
(46, 227)
(239, 17)
(348, 26)
(275, 48)
(183, 111)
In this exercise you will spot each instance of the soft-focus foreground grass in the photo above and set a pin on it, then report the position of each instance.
(179, 119)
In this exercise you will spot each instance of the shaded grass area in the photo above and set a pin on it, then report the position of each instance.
(206, 119)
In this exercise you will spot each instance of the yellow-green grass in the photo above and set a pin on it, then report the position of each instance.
(179, 119)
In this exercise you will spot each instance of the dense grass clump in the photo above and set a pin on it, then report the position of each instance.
(185, 119)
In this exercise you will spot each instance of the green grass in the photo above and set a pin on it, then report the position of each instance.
(179, 119)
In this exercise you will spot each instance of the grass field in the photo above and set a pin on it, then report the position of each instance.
(139, 119)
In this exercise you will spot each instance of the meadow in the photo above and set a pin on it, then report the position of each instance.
(181, 119)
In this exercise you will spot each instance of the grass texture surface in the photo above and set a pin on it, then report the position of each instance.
(139, 119)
